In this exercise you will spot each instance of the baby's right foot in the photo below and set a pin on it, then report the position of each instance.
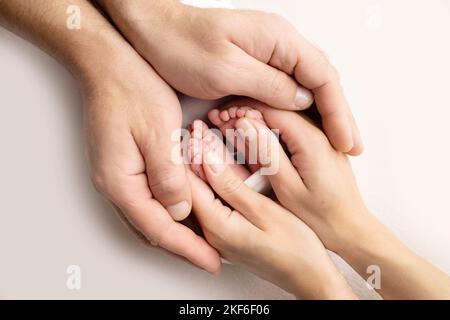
(226, 121)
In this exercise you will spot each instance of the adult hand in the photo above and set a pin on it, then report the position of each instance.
(211, 53)
(259, 234)
(316, 183)
(131, 115)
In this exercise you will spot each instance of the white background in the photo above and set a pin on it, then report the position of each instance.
(393, 57)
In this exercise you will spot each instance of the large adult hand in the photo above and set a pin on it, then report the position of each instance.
(211, 53)
(130, 116)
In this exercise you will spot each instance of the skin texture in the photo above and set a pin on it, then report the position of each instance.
(211, 53)
(256, 232)
(123, 99)
(316, 184)
(131, 112)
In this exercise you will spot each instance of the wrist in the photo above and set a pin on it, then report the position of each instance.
(361, 234)
(107, 61)
(319, 281)
(370, 243)
(328, 285)
(95, 58)
(144, 23)
(129, 12)
(343, 230)
(337, 288)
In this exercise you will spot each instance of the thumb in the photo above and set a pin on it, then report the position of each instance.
(225, 229)
(254, 206)
(269, 85)
(166, 172)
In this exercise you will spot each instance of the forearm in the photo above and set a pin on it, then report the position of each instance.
(331, 286)
(131, 16)
(121, 11)
(404, 275)
(44, 22)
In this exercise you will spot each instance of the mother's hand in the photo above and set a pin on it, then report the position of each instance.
(315, 181)
(263, 236)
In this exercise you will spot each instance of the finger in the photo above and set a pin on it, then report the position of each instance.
(314, 71)
(274, 162)
(215, 218)
(258, 209)
(137, 234)
(150, 218)
(282, 47)
(270, 85)
(358, 145)
(165, 168)
(333, 109)
(306, 143)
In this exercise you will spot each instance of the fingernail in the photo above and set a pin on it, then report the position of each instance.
(212, 160)
(303, 98)
(179, 211)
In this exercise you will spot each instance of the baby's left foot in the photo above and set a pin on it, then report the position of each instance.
(205, 140)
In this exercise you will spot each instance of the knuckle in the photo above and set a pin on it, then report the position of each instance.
(262, 205)
(290, 195)
(219, 79)
(213, 26)
(277, 84)
(223, 237)
(231, 184)
(109, 185)
(324, 63)
(226, 213)
(280, 25)
(126, 198)
(159, 236)
(167, 182)
(218, 210)
(275, 18)
(99, 181)
(322, 59)
(102, 180)
(334, 72)
(114, 191)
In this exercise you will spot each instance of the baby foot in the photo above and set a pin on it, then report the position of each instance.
(226, 120)
(205, 140)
